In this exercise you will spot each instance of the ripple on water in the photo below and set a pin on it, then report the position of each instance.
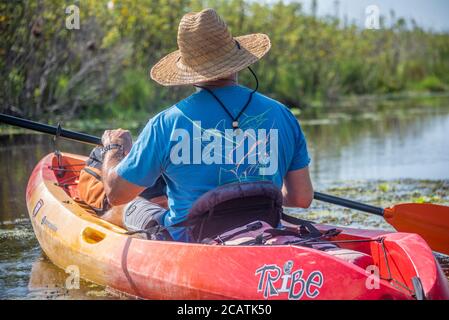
(18, 250)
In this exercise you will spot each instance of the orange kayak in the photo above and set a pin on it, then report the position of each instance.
(368, 265)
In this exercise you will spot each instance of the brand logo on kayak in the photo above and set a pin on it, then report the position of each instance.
(37, 207)
(274, 280)
(48, 224)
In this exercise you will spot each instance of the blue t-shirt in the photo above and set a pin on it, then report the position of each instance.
(193, 146)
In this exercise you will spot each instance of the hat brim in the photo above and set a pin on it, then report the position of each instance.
(170, 71)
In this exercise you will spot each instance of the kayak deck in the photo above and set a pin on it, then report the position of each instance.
(371, 264)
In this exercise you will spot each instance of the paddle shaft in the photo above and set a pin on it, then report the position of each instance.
(53, 130)
(82, 137)
(349, 204)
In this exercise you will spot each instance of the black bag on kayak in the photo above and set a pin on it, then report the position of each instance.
(90, 184)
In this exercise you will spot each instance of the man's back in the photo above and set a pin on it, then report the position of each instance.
(193, 146)
(211, 138)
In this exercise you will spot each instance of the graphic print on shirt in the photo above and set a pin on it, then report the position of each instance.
(250, 152)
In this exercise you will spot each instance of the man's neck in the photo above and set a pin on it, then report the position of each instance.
(219, 83)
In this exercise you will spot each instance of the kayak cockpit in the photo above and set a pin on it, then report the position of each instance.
(66, 171)
(261, 202)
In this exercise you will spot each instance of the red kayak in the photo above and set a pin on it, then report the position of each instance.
(366, 265)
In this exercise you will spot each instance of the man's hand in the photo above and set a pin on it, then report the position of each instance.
(119, 136)
(118, 190)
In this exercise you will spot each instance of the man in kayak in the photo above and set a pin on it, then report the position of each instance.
(222, 133)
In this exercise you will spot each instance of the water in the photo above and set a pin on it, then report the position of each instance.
(380, 158)
(388, 146)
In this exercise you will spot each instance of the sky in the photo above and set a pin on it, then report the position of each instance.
(430, 14)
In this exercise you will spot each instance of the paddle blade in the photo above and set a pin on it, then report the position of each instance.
(430, 221)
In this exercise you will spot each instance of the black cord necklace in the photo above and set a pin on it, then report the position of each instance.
(235, 120)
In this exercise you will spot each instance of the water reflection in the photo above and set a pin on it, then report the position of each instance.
(395, 146)
(49, 282)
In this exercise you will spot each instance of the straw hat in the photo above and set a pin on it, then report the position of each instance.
(207, 51)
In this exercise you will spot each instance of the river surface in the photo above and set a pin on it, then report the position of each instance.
(381, 158)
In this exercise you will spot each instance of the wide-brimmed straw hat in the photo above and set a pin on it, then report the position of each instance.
(207, 51)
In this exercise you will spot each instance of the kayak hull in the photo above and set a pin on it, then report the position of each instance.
(74, 238)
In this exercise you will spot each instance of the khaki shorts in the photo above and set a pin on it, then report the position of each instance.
(142, 214)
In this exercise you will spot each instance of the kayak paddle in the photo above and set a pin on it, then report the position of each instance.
(430, 221)
(52, 130)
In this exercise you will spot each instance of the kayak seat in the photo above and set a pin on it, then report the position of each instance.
(232, 205)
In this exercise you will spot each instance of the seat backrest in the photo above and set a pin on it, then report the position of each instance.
(233, 205)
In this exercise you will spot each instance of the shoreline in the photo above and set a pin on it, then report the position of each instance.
(316, 113)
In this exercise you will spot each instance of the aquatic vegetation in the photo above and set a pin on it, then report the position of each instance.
(426, 199)
(384, 187)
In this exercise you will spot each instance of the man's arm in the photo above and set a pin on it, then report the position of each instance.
(118, 190)
(297, 189)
